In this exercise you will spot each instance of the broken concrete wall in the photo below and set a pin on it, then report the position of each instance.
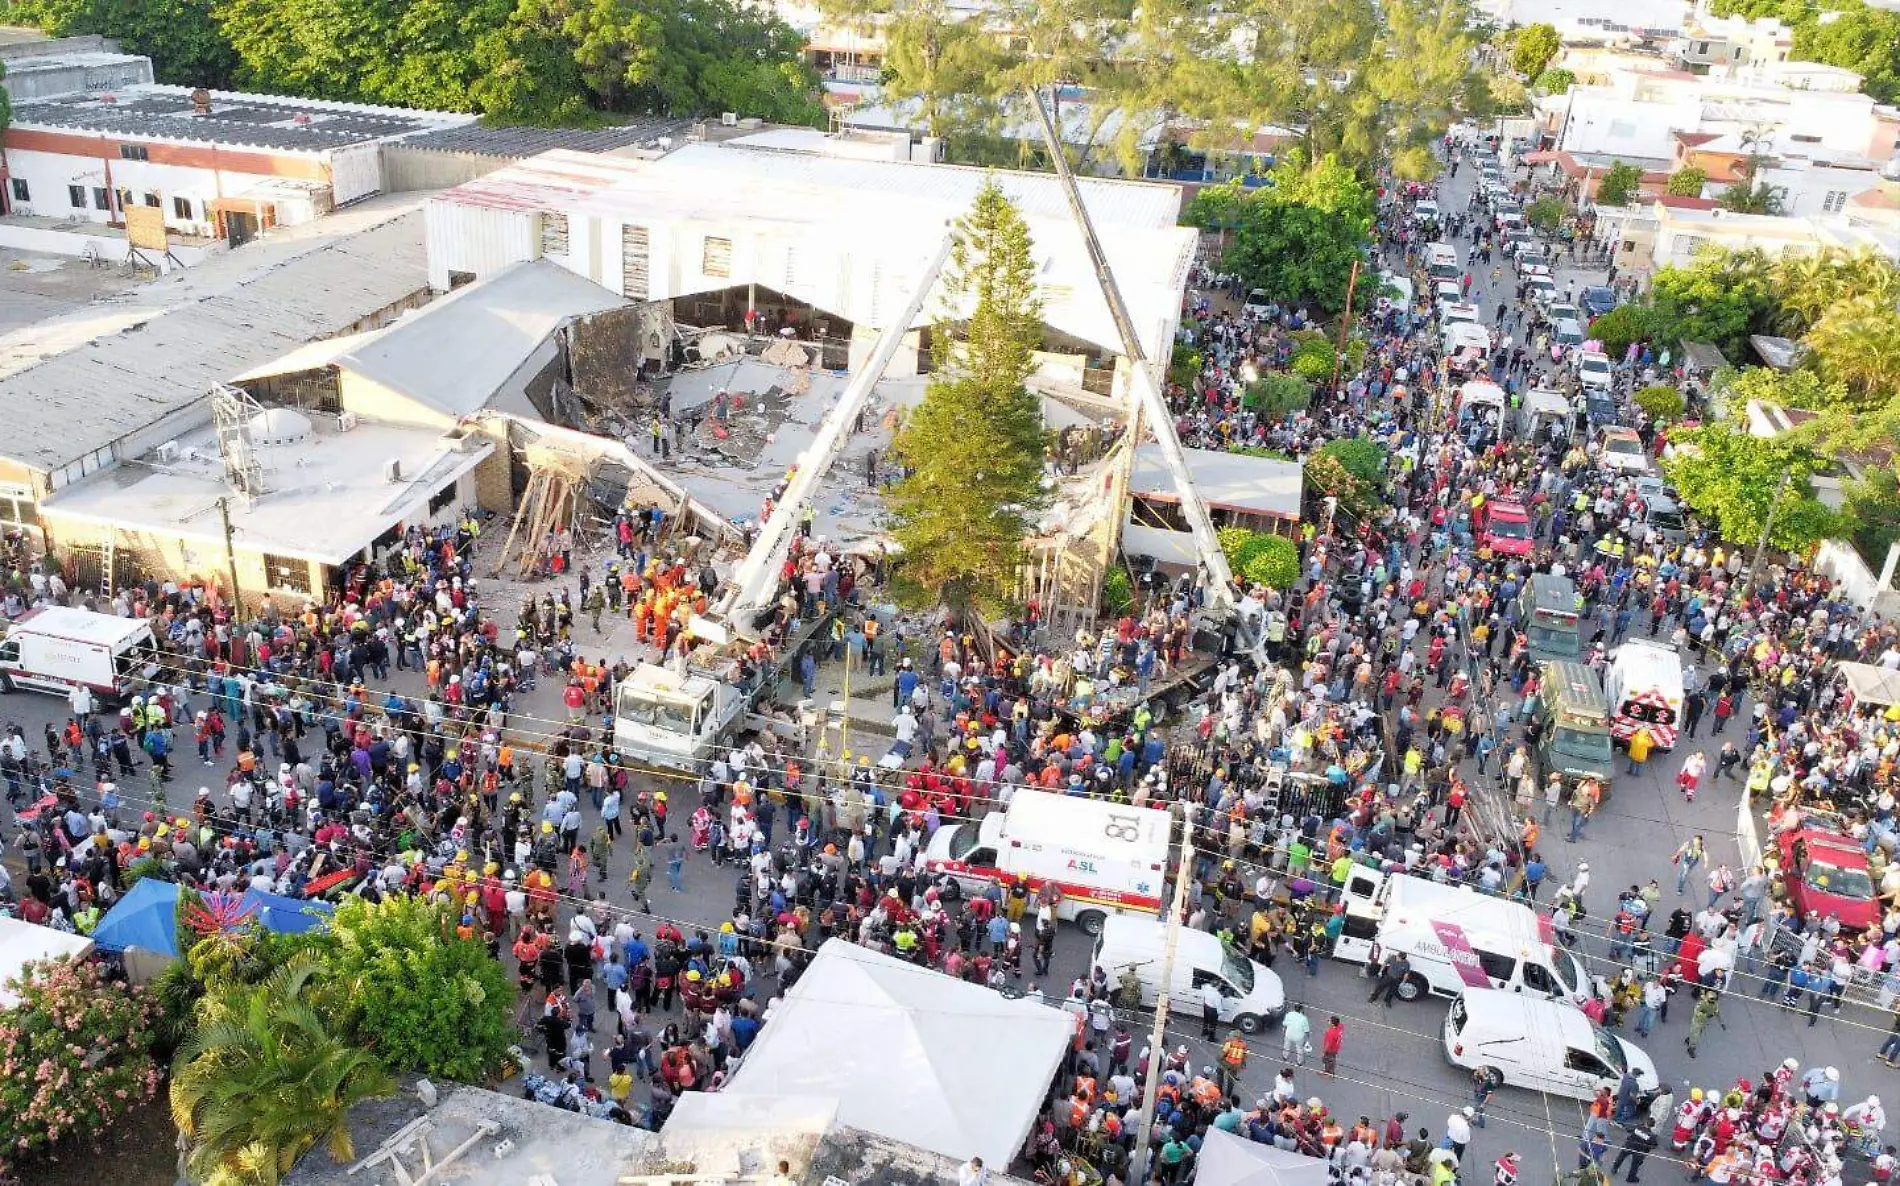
(605, 351)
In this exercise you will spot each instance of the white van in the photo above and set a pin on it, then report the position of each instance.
(1644, 688)
(1540, 1045)
(1252, 998)
(1105, 858)
(57, 649)
(1442, 262)
(1455, 938)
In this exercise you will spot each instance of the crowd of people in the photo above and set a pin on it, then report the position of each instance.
(1394, 706)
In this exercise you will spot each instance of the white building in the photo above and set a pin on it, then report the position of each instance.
(219, 165)
(833, 242)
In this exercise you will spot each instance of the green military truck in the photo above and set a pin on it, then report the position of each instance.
(1573, 726)
(1548, 608)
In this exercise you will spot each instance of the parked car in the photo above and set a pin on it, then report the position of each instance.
(1257, 304)
(1425, 211)
(1505, 528)
(1826, 872)
(1598, 300)
(1594, 372)
(1623, 450)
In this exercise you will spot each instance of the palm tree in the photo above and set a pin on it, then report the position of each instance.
(265, 1079)
(1857, 344)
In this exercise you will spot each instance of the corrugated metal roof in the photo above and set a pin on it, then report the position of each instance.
(97, 392)
(156, 112)
(486, 140)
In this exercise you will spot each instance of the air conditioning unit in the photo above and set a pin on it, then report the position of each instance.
(392, 470)
(345, 421)
(729, 119)
(166, 453)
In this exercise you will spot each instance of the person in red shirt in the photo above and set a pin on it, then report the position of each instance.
(1330, 1045)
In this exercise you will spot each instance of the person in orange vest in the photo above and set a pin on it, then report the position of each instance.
(1233, 1059)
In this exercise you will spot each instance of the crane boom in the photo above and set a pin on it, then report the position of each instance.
(1220, 578)
(756, 578)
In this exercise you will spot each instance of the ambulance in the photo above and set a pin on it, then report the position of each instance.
(1103, 858)
(1644, 688)
(1455, 938)
(58, 648)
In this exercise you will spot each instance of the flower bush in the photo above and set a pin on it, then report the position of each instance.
(75, 1056)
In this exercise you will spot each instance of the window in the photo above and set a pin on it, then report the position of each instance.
(101, 198)
(20, 192)
(76, 194)
(1835, 200)
(1203, 977)
(133, 152)
(91, 463)
(716, 260)
(1497, 967)
(442, 498)
(1538, 978)
(182, 208)
(151, 199)
(287, 572)
(124, 196)
(1588, 1063)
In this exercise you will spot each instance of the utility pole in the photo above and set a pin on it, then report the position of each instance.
(230, 550)
(1767, 526)
(1157, 1040)
(1345, 326)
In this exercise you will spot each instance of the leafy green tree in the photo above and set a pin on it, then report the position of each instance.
(1663, 404)
(267, 1077)
(1546, 214)
(1734, 478)
(1802, 388)
(1621, 327)
(1687, 182)
(1533, 48)
(1619, 186)
(1277, 394)
(411, 991)
(974, 446)
(1362, 458)
(1860, 38)
(1870, 507)
(1807, 284)
(1276, 564)
(1748, 196)
(1554, 81)
(1856, 344)
(1298, 237)
(943, 64)
(1719, 297)
(1314, 360)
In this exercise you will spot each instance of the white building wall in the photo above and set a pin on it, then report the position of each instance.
(48, 175)
(477, 240)
(1819, 190)
(1606, 123)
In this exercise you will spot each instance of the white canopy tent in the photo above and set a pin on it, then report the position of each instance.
(1872, 684)
(23, 942)
(909, 1054)
(1228, 1160)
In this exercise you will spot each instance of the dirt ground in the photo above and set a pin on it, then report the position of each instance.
(141, 1151)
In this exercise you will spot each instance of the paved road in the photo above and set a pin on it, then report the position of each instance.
(1394, 1057)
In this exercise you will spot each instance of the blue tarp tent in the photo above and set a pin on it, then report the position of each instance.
(286, 916)
(145, 918)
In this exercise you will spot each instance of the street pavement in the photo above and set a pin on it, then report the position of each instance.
(1394, 1057)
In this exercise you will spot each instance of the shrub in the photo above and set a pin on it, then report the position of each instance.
(1275, 563)
(1619, 328)
(1277, 394)
(1118, 592)
(1314, 360)
(1663, 404)
(75, 1056)
(1184, 369)
(1361, 458)
(417, 994)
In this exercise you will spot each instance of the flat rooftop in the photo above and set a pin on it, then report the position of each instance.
(156, 112)
(326, 498)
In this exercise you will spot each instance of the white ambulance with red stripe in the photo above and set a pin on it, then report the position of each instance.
(1102, 858)
(1455, 938)
(1644, 688)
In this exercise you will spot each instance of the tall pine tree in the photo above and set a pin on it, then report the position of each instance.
(974, 447)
